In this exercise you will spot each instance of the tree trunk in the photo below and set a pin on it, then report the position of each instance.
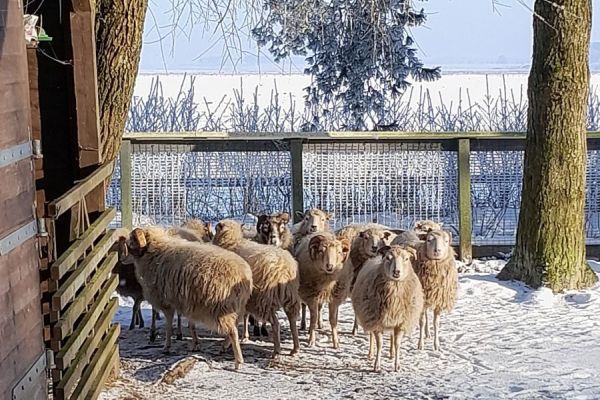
(550, 248)
(119, 28)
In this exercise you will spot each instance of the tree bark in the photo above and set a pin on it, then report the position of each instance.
(550, 247)
(119, 28)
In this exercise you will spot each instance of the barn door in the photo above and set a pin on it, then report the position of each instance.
(22, 355)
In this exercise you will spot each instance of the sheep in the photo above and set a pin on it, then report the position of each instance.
(130, 287)
(275, 277)
(273, 230)
(416, 237)
(351, 231)
(426, 225)
(201, 228)
(313, 220)
(202, 281)
(436, 269)
(324, 277)
(388, 296)
(365, 245)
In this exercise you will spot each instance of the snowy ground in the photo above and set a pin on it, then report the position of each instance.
(503, 340)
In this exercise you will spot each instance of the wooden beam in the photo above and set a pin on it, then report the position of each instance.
(67, 382)
(67, 354)
(126, 188)
(464, 201)
(78, 278)
(83, 42)
(64, 326)
(78, 192)
(68, 259)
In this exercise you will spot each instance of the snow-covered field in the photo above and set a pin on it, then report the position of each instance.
(503, 340)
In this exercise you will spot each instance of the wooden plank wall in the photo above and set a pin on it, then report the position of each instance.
(20, 317)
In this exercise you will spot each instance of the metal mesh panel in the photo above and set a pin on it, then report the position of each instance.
(391, 183)
(171, 184)
(496, 180)
(113, 194)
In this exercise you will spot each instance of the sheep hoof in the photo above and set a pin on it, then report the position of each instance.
(275, 354)
(303, 326)
(294, 352)
(256, 331)
(263, 331)
(377, 368)
(354, 331)
(420, 346)
(245, 339)
(238, 365)
(336, 345)
(311, 341)
(166, 350)
(370, 357)
(319, 325)
(152, 337)
(179, 336)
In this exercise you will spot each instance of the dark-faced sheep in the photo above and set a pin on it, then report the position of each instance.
(275, 279)
(387, 296)
(436, 269)
(324, 277)
(204, 282)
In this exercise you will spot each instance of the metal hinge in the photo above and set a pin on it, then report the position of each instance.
(36, 148)
(41, 227)
(32, 386)
(17, 237)
(16, 153)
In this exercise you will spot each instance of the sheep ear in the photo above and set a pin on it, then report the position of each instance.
(284, 217)
(123, 251)
(299, 214)
(422, 236)
(387, 234)
(397, 231)
(345, 248)
(314, 245)
(412, 251)
(139, 237)
(361, 234)
(383, 250)
(449, 234)
(261, 220)
(329, 216)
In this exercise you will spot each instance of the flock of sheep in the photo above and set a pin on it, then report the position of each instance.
(391, 276)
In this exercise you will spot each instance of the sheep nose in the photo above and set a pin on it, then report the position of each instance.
(313, 228)
(329, 267)
(374, 248)
(396, 274)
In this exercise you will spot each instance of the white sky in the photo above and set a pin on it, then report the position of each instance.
(463, 34)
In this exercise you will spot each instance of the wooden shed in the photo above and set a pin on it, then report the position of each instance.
(56, 286)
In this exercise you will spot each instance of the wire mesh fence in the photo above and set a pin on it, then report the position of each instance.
(388, 182)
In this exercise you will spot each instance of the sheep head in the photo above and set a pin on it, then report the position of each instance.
(271, 228)
(372, 240)
(422, 227)
(438, 244)
(314, 220)
(228, 233)
(330, 254)
(137, 243)
(398, 261)
(201, 228)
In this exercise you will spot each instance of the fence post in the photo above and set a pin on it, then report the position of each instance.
(465, 227)
(126, 192)
(297, 180)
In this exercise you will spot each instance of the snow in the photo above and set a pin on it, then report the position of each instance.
(503, 340)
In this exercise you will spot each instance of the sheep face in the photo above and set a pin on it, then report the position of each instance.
(201, 228)
(437, 244)
(314, 220)
(329, 254)
(227, 232)
(271, 228)
(398, 261)
(373, 239)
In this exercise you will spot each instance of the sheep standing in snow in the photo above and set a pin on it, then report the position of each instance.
(365, 245)
(313, 220)
(275, 277)
(388, 296)
(272, 229)
(202, 281)
(324, 277)
(436, 269)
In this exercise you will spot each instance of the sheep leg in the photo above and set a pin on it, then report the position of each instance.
(303, 318)
(229, 327)
(312, 334)
(153, 325)
(355, 326)
(371, 346)
(392, 346)
(192, 327)
(291, 316)
(333, 320)
(134, 313)
(276, 334)
(421, 344)
(319, 316)
(263, 329)
(397, 337)
(379, 342)
(436, 330)
(140, 317)
(168, 329)
(179, 329)
(427, 332)
(246, 336)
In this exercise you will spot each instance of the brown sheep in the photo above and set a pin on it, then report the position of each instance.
(202, 281)
(436, 269)
(313, 220)
(275, 277)
(324, 277)
(388, 297)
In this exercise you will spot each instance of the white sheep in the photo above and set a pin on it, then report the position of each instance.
(388, 296)
(205, 283)
(324, 277)
(436, 269)
(275, 277)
